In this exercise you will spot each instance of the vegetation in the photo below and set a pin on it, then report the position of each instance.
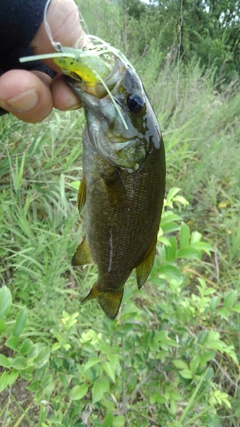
(171, 357)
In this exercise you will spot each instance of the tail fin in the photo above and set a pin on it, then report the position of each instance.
(109, 301)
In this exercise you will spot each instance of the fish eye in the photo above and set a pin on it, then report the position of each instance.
(135, 103)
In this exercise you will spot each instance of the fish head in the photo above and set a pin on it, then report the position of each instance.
(121, 124)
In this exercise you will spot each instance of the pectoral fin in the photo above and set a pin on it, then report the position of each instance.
(109, 301)
(115, 187)
(81, 194)
(143, 270)
(82, 255)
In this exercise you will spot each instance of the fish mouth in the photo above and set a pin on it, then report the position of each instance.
(100, 88)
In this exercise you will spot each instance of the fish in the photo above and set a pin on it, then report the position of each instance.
(123, 184)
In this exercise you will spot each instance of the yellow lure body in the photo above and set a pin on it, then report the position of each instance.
(88, 65)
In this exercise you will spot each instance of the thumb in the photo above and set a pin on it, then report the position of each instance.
(63, 20)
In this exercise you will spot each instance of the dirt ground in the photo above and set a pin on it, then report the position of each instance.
(17, 407)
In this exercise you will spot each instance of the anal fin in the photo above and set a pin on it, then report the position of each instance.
(82, 255)
(143, 270)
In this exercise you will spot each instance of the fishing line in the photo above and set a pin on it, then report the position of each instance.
(56, 45)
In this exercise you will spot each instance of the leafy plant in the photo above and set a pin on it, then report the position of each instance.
(98, 374)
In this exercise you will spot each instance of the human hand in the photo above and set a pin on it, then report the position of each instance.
(30, 96)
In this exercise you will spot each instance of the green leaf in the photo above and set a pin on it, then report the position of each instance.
(42, 357)
(13, 377)
(186, 373)
(188, 253)
(90, 363)
(170, 272)
(207, 356)
(78, 392)
(2, 326)
(180, 364)
(195, 237)
(169, 217)
(19, 363)
(195, 362)
(107, 366)
(56, 346)
(20, 323)
(5, 301)
(4, 361)
(181, 199)
(184, 236)
(74, 184)
(155, 397)
(26, 346)
(214, 303)
(100, 386)
(97, 392)
(34, 386)
(108, 421)
(64, 378)
(13, 343)
(175, 395)
(236, 308)
(4, 380)
(230, 299)
(163, 240)
(224, 312)
(118, 421)
(169, 227)
(171, 249)
(202, 247)
(172, 192)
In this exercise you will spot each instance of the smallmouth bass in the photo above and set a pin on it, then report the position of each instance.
(123, 182)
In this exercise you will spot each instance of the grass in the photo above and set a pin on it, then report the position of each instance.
(170, 358)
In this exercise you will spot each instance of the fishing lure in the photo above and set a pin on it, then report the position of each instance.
(86, 65)
(91, 64)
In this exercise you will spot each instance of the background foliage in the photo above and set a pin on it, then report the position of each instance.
(171, 357)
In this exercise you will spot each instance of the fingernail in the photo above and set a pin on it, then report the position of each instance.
(25, 101)
(72, 107)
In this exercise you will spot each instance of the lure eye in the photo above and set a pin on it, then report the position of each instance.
(135, 103)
